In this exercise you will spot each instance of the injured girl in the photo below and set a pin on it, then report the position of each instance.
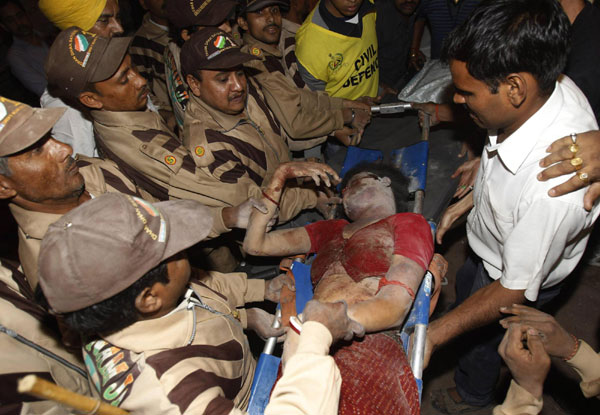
(375, 261)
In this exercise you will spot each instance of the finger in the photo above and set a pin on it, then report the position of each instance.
(574, 183)
(334, 200)
(591, 195)
(259, 205)
(440, 235)
(535, 343)
(316, 179)
(556, 170)
(357, 328)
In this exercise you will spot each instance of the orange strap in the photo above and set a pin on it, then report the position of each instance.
(383, 281)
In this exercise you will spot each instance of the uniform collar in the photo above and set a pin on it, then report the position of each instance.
(253, 43)
(153, 31)
(145, 119)
(516, 148)
(33, 224)
(198, 109)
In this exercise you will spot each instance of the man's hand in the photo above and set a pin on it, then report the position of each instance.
(416, 59)
(387, 90)
(237, 216)
(558, 164)
(468, 173)
(348, 136)
(556, 340)
(357, 105)
(437, 112)
(326, 204)
(334, 316)
(260, 322)
(316, 171)
(451, 214)
(524, 354)
(273, 287)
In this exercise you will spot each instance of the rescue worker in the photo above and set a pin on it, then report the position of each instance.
(178, 341)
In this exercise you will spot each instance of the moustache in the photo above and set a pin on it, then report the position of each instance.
(143, 91)
(236, 96)
(271, 25)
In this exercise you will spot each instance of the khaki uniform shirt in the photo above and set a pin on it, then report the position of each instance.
(272, 60)
(147, 54)
(19, 312)
(100, 176)
(237, 155)
(194, 360)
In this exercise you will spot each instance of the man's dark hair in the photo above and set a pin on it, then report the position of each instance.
(399, 183)
(502, 37)
(175, 33)
(117, 312)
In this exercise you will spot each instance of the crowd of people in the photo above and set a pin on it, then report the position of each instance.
(157, 162)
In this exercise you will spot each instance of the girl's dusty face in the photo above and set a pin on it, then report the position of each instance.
(366, 192)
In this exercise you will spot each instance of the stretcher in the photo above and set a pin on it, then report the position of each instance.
(412, 161)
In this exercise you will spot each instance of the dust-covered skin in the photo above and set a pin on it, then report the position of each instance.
(351, 264)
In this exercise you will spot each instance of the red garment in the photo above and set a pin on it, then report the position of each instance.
(376, 378)
(368, 252)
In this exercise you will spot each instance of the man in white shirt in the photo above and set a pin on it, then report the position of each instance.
(506, 61)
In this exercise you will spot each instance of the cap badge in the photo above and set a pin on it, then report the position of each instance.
(170, 160)
(81, 45)
(220, 42)
(199, 151)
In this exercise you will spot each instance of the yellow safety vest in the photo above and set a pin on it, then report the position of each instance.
(348, 65)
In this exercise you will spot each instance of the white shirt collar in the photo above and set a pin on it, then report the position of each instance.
(515, 149)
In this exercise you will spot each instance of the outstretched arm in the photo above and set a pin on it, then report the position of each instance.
(286, 241)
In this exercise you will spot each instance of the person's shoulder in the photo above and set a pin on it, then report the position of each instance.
(111, 369)
(414, 220)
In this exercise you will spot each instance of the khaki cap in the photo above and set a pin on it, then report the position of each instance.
(22, 126)
(211, 48)
(105, 245)
(186, 13)
(256, 5)
(78, 57)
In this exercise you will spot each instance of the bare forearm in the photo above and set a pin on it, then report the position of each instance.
(382, 312)
(478, 310)
(417, 34)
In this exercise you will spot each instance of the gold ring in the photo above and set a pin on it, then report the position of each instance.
(574, 138)
(576, 162)
(574, 148)
(583, 176)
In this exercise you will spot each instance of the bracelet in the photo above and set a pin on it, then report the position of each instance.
(437, 113)
(575, 349)
(295, 324)
(266, 196)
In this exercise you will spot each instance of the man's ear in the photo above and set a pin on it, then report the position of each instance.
(386, 181)
(242, 23)
(148, 301)
(185, 35)
(517, 89)
(6, 188)
(90, 100)
(194, 84)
